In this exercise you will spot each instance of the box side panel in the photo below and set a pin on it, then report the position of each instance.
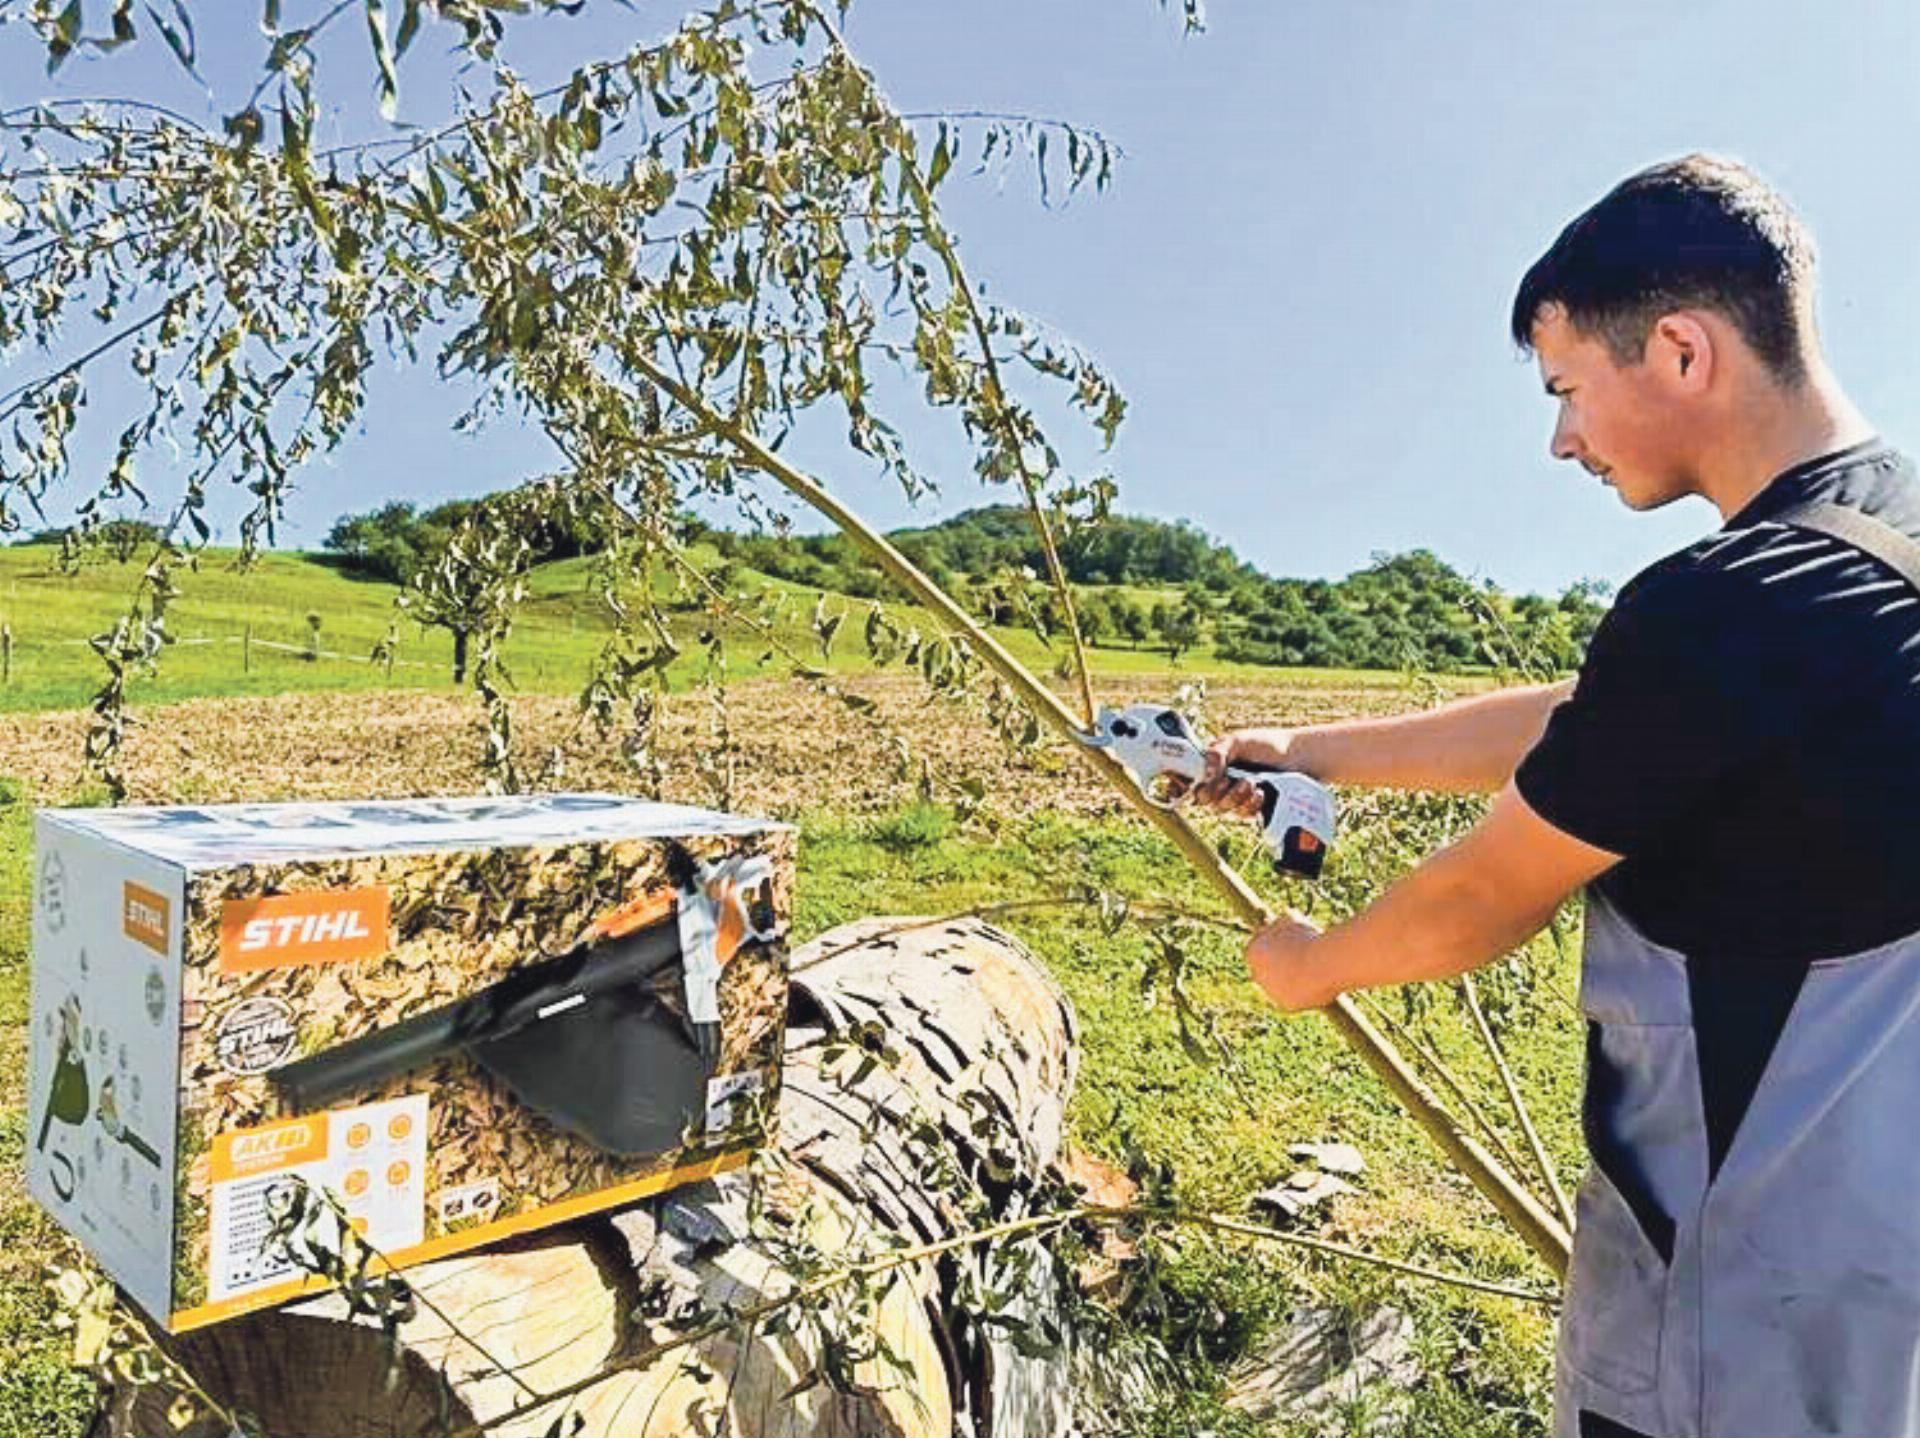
(103, 1052)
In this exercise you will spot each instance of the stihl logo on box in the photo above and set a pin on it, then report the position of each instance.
(143, 916)
(290, 930)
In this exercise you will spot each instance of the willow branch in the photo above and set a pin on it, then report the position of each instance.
(997, 406)
(1518, 1104)
(994, 391)
(14, 398)
(1226, 1224)
(1447, 1076)
(1541, 1230)
(1018, 906)
(1031, 1226)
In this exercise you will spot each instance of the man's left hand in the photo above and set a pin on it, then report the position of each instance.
(1281, 960)
(1476, 899)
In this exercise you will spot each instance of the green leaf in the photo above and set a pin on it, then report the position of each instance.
(295, 129)
(409, 27)
(122, 26)
(383, 56)
(64, 36)
(521, 322)
(942, 161)
(221, 352)
(179, 37)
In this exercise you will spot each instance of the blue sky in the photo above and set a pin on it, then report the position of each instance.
(1301, 274)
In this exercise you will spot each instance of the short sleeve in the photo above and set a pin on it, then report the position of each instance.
(1697, 670)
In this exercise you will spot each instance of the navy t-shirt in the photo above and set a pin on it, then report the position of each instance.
(1745, 731)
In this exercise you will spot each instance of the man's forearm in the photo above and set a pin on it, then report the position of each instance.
(1471, 745)
(1443, 919)
(1475, 899)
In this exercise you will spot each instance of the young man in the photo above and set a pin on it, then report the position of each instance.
(1735, 780)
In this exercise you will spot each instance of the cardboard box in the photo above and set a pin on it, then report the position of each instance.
(205, 982)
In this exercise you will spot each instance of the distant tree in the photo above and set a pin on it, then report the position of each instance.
(1095, 612)
(383, 543)
(123, 537)
(394, 541)
(1180, 626)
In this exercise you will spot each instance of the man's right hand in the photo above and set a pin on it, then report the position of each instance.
(1467, 746)
(1249, 748)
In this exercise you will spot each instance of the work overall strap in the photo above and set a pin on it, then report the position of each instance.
(1870, 536)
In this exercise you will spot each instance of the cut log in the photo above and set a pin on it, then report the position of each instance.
(927, 1074)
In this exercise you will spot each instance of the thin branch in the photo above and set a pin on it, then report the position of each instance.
(1020, 906)
(754, 1313)
(1519, 1104)
(1226, 1224)
(1032, 1225)
(306, 32)
(997, 403)
(27, 112)
(11, 401)
(1447, 1076)
(1009, 117)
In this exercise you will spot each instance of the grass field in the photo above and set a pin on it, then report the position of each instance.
(560, 629)
(1223, 1127)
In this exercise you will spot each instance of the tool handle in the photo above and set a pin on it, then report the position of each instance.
(1252, 772)
(1295, 848)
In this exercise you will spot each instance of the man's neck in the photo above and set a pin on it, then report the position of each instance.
(1788, 428)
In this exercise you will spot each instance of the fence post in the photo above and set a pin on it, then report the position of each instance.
(246, 649)
(6, 654)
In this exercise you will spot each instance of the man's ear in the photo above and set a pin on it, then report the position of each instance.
(1681, 349)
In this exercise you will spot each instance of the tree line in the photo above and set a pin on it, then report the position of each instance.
(1409, 610)
(1137, 583)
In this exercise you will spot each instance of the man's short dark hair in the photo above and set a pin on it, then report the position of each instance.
(1694, 233)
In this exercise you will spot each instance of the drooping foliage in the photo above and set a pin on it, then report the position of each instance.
(703, 238)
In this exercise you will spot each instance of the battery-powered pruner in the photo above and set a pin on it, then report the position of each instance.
(1155, 743)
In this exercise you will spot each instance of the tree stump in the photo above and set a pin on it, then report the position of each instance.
(926, 1062)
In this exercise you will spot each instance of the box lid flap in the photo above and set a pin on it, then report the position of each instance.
(213, 834)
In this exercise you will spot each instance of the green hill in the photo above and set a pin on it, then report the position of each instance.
(246, 631)
(1408, 610)
(1143, 588)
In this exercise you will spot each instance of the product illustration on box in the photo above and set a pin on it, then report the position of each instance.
(580, 1037)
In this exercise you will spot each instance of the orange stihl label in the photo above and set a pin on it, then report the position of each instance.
(249, 1151)
(143, 916)
(289, 930)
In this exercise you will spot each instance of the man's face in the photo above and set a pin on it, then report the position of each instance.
(1622, 423)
